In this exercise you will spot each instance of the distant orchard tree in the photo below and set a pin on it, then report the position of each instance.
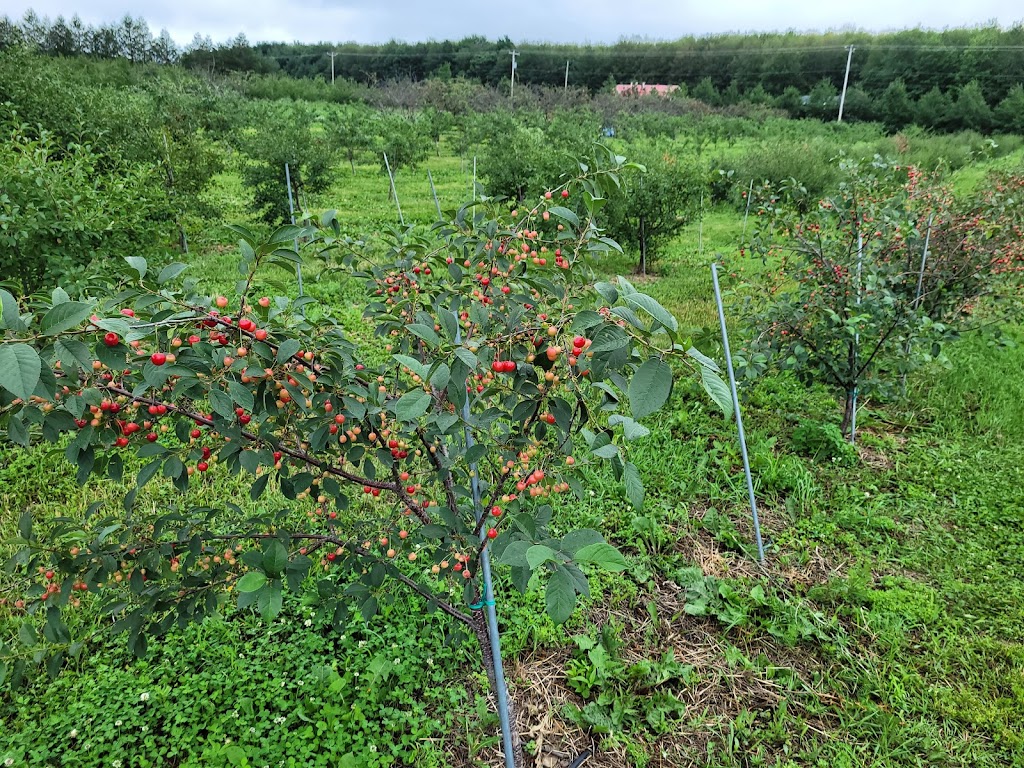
(895, 109)
(164, 50)
(790, 100)
(858, 105)
(705, 91)
(934, 109)
(134, 39)
(10, 33)
(823, 101)
(971, 111)
(104, 43)
(757, 95)
(1009, 115)
(59, 39)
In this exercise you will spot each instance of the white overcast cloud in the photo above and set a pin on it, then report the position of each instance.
(595, 21)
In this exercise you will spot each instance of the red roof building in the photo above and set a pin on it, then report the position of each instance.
(644, 89)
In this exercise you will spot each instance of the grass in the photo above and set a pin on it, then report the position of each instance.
(885, 631)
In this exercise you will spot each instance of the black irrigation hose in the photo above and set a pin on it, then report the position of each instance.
(581, 759)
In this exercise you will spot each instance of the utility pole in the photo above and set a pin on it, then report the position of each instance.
(333, 54)
(512, 82)
(846, 81)
(566, 75)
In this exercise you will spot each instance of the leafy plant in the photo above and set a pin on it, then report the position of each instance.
(505, 372)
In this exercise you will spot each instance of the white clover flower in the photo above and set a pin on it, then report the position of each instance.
(144, 728)
(73, 734)
(143, 696)
(115, 763)
(117, 723)
(300, 682)
(308, 622)
(373, 747)
(9, 762)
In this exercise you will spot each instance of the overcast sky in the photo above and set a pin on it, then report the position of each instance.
(595, 21)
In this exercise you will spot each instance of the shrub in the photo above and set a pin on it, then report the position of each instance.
(503, 378)
(62, 217)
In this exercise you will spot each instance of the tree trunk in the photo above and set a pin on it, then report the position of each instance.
(643, 249)
(479, 625)
(848, 406)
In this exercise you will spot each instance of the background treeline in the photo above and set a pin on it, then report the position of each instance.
(955, 79)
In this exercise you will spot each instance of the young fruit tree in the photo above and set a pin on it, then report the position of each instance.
(841, 305)
(499, 371)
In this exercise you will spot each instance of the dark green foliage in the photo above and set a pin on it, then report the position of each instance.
(654, 206)
(64, 216)
(822, 442)
(294, 136)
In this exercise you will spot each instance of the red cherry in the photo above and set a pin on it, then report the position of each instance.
(158, 358)
(121, 442)
(492, 533)
(202, 466)
(260, 334)
(195, 434)
(151, 437)
(565, 193)
(111, 339)
(128, 312)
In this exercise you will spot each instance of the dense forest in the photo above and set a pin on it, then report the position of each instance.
(946, 80)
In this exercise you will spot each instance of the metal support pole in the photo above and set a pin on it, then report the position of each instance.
(394, 191)
(291, 210)
(433, 191)
(846, 81)
(856, 339)
(746, 213)
(700, 228)
(917, 296)
(566, 87)
(492, 615)
(739, 418)
(474, 178)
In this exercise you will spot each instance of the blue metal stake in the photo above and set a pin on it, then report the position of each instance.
(492, 614)
(739, 418)
(291, 208)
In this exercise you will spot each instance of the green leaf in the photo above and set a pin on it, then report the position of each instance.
(72, 352)
(515, 554)
(631, 429)
(424, 332)
(650, 387)
(287, 350)
(275, 557)
(64, 317)
(634, 485)
(652, 308)
(241, 395)
(539, 554)
(17, 433)
(251, 582)
(602, 555)
(412, 405)
(560, 596)
(27, 635)
(269, 600)
(170, 272)
(138, 264)
(607, 451)
(19, 369)
(703, 359)
(10, 314)
(566, 214)
(222, 404)
(412, 364)
(717, 389)
(575, 540)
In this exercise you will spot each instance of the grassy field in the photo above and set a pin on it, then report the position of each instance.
(885, 629)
